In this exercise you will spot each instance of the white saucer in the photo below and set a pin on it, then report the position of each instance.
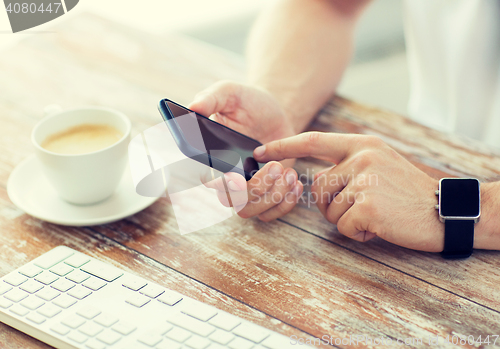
(29, 190)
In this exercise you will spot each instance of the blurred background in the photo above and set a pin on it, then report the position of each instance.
(377, 75)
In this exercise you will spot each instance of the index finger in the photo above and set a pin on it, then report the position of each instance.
(333, 147)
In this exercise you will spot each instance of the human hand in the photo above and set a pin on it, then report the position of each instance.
(271, 193)
(372, 190)
(246, 109)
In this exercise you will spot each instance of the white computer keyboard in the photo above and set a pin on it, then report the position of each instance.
(70, 300)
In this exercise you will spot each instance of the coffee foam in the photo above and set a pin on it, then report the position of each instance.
(81, 139)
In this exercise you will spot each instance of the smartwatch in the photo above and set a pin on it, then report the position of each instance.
(459, 209)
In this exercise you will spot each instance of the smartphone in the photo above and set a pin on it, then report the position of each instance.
(209, 142)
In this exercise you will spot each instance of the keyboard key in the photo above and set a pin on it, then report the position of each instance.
(94, 284)
(134, 283)
(79, 292)
(77, 337)
(73, 321)
(64, 301)
(152, 291)
(199, 310)
(46, 278)
(32, 303)
(77, 276)
(124, 328)
(31, 286)
(61, 269)
(4, 287)
(5, 303)
(30, 270)
(102, 270)
(218, 346)
(48, 294)
(150, 340)
(36, 318)
(275, 341)
(178, 334)
(221, 337)
(16, 295)
(18, 310)
(63, 285)
(170, 297)
(60, 329)
(49, 310)
(91, 329)
(251, 332)
(15, 279)
(225, 321)
(88, 312)
(109, 337)
(77, 260)
(137, 300)
(197, 342)
(53, 257)
(94, 344)
(240, 343)
(191, 324)
(168, 344)
(106, 320)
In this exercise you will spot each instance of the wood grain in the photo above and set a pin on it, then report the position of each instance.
(296, 276)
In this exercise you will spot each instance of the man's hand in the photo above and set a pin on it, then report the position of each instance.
(271, 193)
(249, 110)
(371, 191)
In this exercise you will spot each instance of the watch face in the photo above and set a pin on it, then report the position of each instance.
(459, 197)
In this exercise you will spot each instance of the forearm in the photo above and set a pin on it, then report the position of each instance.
(298, 51)
(487, 230)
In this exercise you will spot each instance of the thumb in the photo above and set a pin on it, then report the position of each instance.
(217, 98)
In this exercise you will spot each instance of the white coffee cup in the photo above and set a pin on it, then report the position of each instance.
(89, 177)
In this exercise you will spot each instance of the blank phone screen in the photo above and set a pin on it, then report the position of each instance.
(221, 143)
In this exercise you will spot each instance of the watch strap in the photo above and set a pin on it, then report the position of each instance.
(458, 239)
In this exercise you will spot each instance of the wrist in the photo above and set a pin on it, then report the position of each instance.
(486, 230)
(294, 119)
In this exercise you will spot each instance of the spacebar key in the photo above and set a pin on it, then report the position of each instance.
(191, 324)
(101, 270)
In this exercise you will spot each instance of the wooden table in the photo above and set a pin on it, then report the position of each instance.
(297, 275)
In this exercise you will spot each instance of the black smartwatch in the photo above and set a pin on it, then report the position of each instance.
(459, 209)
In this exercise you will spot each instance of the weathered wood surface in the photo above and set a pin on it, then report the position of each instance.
(297, 275)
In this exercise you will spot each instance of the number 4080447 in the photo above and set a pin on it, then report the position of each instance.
(33, 8)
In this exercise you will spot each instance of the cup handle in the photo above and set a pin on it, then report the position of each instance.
(51, 109)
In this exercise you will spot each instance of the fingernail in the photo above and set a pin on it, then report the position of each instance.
(290, 178)
(296, 190)
(275, 171)
(259, 151)
(233, 186)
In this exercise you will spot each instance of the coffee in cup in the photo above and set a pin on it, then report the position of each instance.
(83, 152)
(81, 139)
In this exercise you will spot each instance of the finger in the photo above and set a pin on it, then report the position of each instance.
(223, 120)
(264, 180)
(351, 225)
(284, 207)
(342, 202)
(322, 172)
(270, 199)
(328, 186)
(333, 147)
(234, 182)
(236, 191)
(220, 97)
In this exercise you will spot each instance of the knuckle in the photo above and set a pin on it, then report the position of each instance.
(313, 139)
(363, 159)
(373, 141)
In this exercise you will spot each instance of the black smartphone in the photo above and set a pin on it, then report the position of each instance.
(209, 142)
